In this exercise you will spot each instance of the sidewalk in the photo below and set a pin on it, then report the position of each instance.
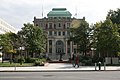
(58, 67)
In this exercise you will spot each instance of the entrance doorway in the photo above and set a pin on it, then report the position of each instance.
(59, 47)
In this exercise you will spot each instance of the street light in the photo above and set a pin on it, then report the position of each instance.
(93, 50)
(21, 48)
(21, 59)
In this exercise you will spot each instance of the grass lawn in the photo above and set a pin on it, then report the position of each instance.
(7, 64)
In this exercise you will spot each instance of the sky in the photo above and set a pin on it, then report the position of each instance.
(18, 12)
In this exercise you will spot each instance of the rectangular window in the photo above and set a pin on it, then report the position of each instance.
(64, 27)
(75, 50)
(68, 42)
(50, 33)
(50, 25)
(63, 33)
(59, 33)
(54, 26)
(55, 33)
(50, 42)
(68, 25)
(68, 33)
(50, 50)
(54, 17)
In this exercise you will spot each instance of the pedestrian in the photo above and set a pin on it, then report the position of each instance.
(99, 65)
(77, 60)
(73, 59)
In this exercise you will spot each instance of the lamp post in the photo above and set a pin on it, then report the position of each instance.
(21, 48)
(92, 49)
(21, 59)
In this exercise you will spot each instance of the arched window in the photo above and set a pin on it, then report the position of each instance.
(59, 46)
(54, 26)
(64, 27)
(46, 26)
(59, 25)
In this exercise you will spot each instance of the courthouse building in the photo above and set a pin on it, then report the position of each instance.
(57, 25)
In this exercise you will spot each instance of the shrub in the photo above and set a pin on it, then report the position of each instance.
(30, 60)
(11, 61)
(112, 64)
(40, 62)
(15, 59)
(21, 60)
(86, 60)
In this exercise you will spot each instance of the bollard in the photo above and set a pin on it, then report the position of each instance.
(15, 66)
(104, 66)
(99, 65)
(95, 66)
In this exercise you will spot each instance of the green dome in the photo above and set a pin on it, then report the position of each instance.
(59, 12)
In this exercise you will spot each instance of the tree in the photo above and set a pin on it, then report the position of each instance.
(114, 16)
(33, 38)
(80, 34)
(106, 39)
(8, 43)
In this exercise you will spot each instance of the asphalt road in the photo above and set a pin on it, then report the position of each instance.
(95, 75)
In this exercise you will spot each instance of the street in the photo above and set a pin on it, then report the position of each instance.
(92, 75)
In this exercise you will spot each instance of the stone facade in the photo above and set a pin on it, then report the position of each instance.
(57, 26)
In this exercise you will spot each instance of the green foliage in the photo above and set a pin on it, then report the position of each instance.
(86, 60)
(15, 59)
(30, 60)
(114, 16)
(80, 35)
(33, 38)
(11, 61)
(8, 42)
(106, 38)
(6, 64)
(21, 60)
(40, 62)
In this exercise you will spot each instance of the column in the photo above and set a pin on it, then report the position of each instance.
(53, 46)
(48, 46)
(70, 47)
(53, 49)
(66, 46)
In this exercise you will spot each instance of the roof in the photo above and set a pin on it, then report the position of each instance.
(59, 12)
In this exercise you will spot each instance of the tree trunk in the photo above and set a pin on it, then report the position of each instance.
(10, 58)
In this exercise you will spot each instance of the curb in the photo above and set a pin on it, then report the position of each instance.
(59, 70)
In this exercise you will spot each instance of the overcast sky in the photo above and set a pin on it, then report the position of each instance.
(18, 12)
